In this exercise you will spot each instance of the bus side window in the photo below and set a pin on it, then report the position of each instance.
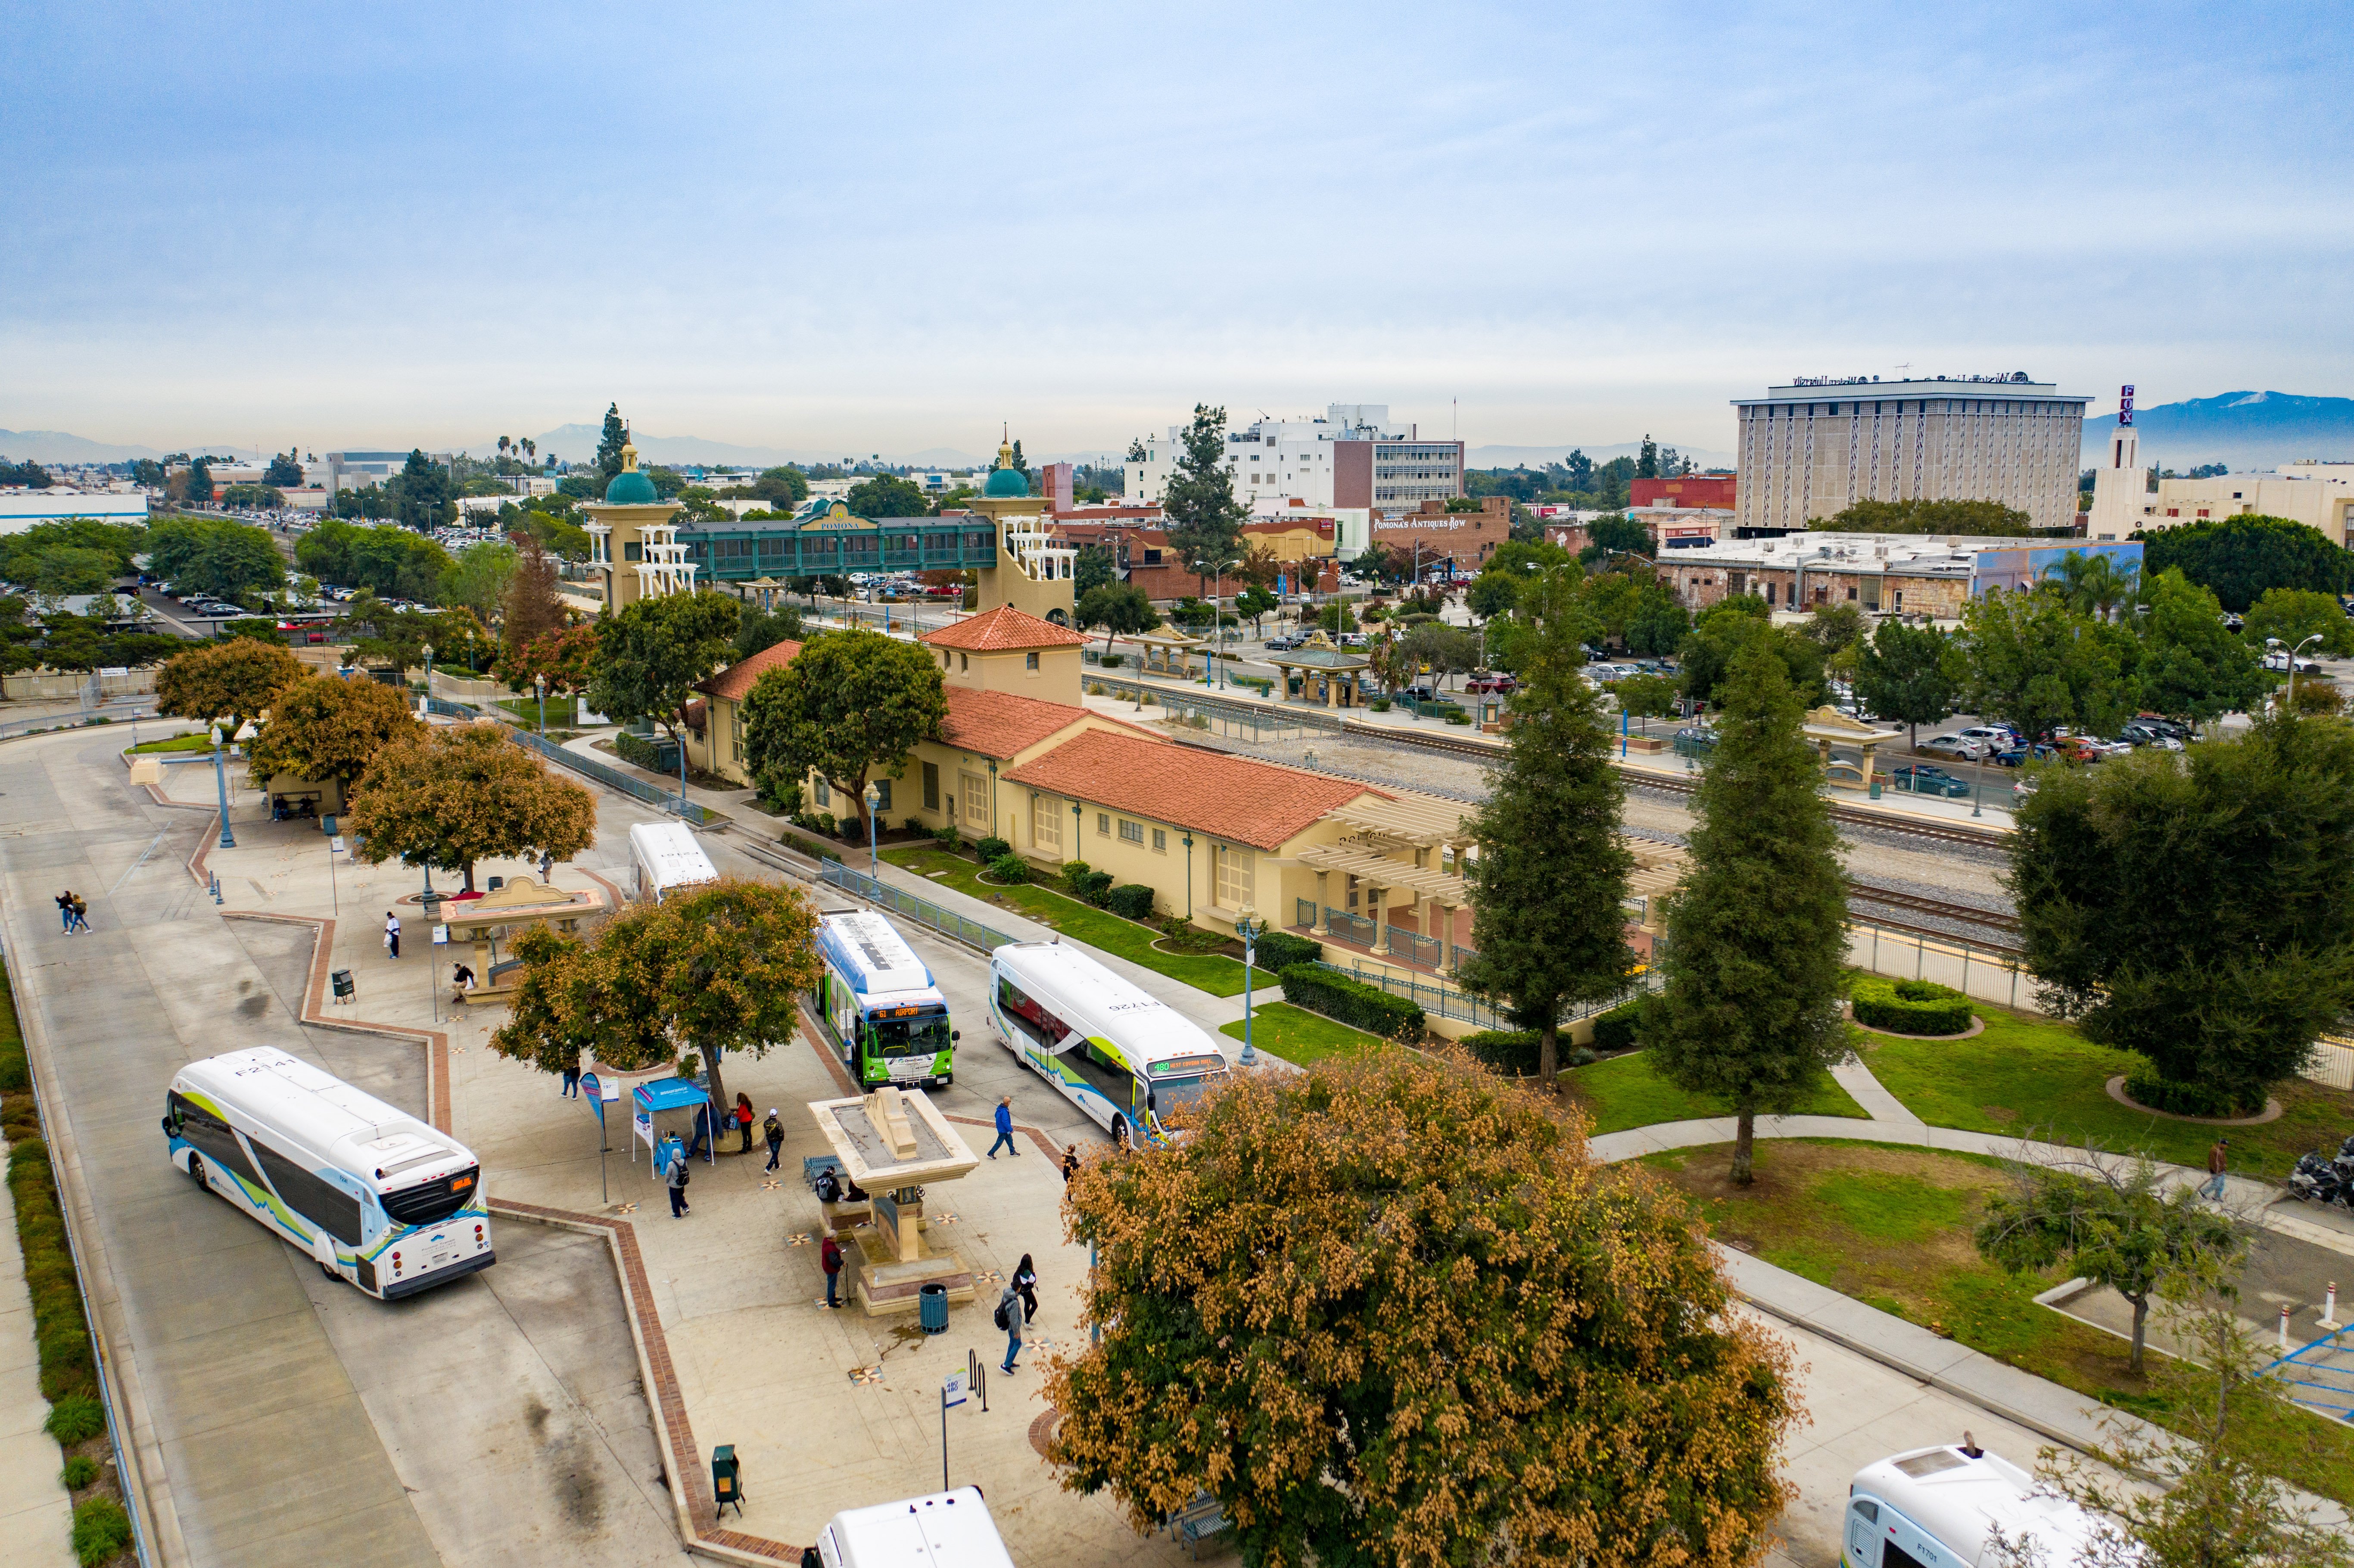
(213, 1139)
(312, 1196)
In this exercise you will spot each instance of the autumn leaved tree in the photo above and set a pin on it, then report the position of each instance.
(323, 729)
(715, 971)
(451, 797)
(232, 680)
(530, 609)
(1386, 1312)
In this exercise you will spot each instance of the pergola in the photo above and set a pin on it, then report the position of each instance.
(1341, 671)
(1167, 652)
(1826, 727)
(766, 587)
(1401, 844)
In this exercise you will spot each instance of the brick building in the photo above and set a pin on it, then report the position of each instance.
(1880, 574)
(1715, 491)
(1433, 533)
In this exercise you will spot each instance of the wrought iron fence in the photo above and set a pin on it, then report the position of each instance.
(1415, 947)
(1352, 927)
(627, 783)
(947, 922)
(1303, 913)
(1438, 1001)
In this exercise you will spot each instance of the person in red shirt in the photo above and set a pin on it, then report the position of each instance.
(830, 1255)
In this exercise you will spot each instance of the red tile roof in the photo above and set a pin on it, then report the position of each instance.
(735, 683)
(1001, 630)
(1000, 725)
(1232, 798)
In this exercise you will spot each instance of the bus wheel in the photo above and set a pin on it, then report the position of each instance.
(1119, 1131)
(329, 1270)
(197, 1170)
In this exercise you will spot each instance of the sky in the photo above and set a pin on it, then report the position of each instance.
(889, 228)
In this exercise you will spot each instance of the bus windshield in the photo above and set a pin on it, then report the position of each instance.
(1172, 1096)
(911, 1036)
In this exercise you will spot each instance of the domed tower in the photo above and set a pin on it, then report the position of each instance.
(633, 544)
(1035, 571)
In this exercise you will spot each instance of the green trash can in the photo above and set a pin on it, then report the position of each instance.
(932, 1307)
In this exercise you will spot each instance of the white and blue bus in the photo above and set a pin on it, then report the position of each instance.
(374, 1195)
(883, 1014)
(1942, 1507)
(1117, 1052)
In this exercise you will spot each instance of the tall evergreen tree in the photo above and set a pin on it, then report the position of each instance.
(1205, 521)
(1756, 937)
(1548, 884)
(616, 435)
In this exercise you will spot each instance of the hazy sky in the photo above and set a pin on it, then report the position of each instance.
(886, 228)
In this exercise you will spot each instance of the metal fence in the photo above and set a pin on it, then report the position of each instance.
(627, 783)
(1237, 718)
(947, 922)
(1447, 1002)
(1351, 927)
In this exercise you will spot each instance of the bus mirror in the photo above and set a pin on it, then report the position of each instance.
(955, 1036)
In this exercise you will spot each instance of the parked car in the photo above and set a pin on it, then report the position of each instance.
(2279, 659)
(2020, 789)
(2136, 732)
(1496, 683)
(1961, 748)
(1992, 736)
(1284, 642)
(2077, 748)
(1924, 780)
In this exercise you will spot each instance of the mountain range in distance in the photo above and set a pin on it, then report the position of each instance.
(2243, 429)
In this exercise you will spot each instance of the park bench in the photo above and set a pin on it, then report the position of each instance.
(1200, 1518)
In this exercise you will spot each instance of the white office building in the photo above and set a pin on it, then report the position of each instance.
(1351, 459)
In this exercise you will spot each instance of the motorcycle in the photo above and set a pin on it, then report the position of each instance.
(2320, 1179)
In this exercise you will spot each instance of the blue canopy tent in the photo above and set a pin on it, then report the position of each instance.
(668, 1095)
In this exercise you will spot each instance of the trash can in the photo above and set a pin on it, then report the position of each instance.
(327, 824)
(727, 1480)
(1875, 786)
(343, 980)
(932, 1307)
(496, 883)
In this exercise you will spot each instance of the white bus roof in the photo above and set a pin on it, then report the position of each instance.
(346, 1127)
(870, 953)
(1960, 1499)
(945, 1530)
(1091, 998)
(670, 854)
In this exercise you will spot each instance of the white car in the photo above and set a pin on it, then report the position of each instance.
(2277, 660)
(1958, 746)
(1985, 734)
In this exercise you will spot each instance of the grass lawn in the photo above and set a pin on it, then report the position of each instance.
(1890, 1227)
(1097, 928)
(2025, 1075)
(1300, 1037)
(197, 741)
(1624, 1092)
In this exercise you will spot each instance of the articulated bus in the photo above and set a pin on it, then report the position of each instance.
(882, 1013)
(374, 1195)
(1118, 1053)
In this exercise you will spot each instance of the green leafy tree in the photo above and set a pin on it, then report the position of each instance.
(196, 484)
(610, 443)
(1255, 602)
(424, 495)
(1908, 674)
(1121, 609)
(1837, 627)
(888, 495)
(1093, 568)
(783, 488)
(2111, 1220)
(1725, 629)
(215, 555)
(1980, 518)
(1757, 933)
(479, 576)
(1492, 594)
(323, 728)
(1205, 521)
(449, 796)
(2030, 660)
(1550, 879)
(2291, 615)
(650, 657)
(285, 470)
(2194, 908)
(1657, 623)
(1618, 534)
(1646, 696)
(396, 563)
(761, 630)
(2094, 584)
(232, 680)
(65, 569)
(2241, 558)
(849, 705)
(733, 966)
(21, 555)
(1518, 558)
(2191, 666)
(1388, 1312)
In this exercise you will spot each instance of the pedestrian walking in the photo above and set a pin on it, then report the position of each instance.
(1009, 1317)
(80, 911)
(773, 1131)
(65, 912)
(1070, 1162)
(1004, 1127)
(392, 933)
(830, 1255)
(2218, 1162)
(1025, 1281)
(744, 1121)
(702, 1140)
(546, 865)
(571, 1090)
(677, 1177)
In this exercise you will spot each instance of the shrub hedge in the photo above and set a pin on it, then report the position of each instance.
(101, 1531)
(1615, 1029)
(2146, 1088)
(644, 751)
(1282, 950)
(1085, 883)
(993, 849)
(1353, 1002)
(1909, 1007)
(1009, 869)
(1521, 1051)
(1130, 901)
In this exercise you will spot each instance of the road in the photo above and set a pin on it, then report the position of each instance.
(293, 1423)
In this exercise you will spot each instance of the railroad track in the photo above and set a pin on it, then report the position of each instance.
(1989, 928)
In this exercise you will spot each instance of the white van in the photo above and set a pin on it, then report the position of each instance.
(667, 860)
(946, 1529)
(1939, 1508)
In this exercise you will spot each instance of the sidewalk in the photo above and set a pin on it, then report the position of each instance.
(35, 1514)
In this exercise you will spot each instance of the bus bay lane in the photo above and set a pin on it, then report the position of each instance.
(293, 1422)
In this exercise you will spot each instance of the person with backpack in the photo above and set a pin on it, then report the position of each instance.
(80, 912)
(828, 1186)
(829, 1254)
(1009, 1317)
(677, 1176)
(774, 1131)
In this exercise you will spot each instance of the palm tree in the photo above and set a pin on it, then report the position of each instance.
(2094, 584)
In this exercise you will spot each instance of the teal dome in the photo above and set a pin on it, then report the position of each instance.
(630, 488)
(1002, 482)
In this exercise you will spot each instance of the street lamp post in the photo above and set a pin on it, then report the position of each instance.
(428, 704)
(2276, 642)
(1249, 926)
(874, 856)
(220, 783)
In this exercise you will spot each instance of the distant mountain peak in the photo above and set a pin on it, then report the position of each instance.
(2246, 429)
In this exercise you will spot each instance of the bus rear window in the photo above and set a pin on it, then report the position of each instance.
(434, 1201)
